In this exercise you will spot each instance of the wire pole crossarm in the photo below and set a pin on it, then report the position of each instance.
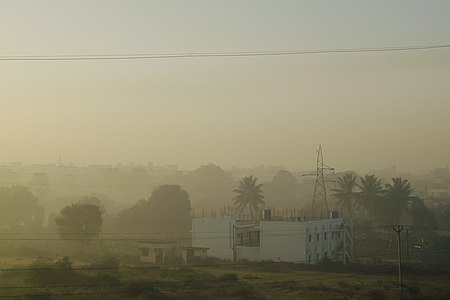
(398, 230)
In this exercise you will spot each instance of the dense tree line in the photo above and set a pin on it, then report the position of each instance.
(80, 221)
(392, 203)
(167, 209)
(19, 208)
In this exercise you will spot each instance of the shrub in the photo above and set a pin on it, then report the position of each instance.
(46, 272)
(229, 277)
(377, 294)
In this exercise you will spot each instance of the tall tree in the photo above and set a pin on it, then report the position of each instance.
(371, 193)
(40, 185)
(219, 185)
(249, 194)
(398, 198)
(19, 208)
(421, 215)
(282, 190)
(80, 220)
(168, 208)
(345, 194)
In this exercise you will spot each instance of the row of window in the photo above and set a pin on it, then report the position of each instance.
(247, 238)
(333, 235)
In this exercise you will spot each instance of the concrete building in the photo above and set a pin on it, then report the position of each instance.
(158, 251)
(274, 240)
(162, 252)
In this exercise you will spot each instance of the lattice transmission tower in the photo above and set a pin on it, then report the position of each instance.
(320, 203)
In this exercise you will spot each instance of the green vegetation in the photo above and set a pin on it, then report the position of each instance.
(371, 193)
(80, 221)
(345, 194)
(20, 209)
(104, 261)
(391, 205)
(61, 279)
(167, 209)
(249, 194)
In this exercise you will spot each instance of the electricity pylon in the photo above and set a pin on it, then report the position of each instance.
(320, 203)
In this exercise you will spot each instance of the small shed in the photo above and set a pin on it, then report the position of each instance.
(192, 254)
(158, 252)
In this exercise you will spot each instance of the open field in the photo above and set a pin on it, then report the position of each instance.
(225, 281)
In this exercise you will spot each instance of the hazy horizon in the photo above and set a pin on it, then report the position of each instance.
(368, 110)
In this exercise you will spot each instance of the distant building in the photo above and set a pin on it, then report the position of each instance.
(274, 240)
(162, 252)
(158, 252)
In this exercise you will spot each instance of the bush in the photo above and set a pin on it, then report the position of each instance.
(377, 294)
(46, 272)
(107, 262)
(228, 277)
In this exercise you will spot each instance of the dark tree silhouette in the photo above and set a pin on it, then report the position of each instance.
(80, 220)
(19, 208)
(170, 208)
(371, 193)
(398, 198)
(345, 194)
(282, 190)
(167, 209)
(40, 185)
(248, 194)
(422, 217)
(218, 182)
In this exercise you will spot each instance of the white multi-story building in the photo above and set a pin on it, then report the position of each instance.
(274, 240)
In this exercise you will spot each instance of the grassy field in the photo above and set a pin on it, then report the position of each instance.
(65, 280)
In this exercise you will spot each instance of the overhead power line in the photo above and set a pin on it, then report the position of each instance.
(79, 57)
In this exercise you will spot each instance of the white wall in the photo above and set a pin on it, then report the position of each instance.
(248, 253)
(326, 237)
(279, 240)
(215, 234)
(283, 241)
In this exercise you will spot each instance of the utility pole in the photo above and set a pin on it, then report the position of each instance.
(399, 229)
(407, 246)
(234, 244)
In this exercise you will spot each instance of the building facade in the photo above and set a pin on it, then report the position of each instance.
(274, 240)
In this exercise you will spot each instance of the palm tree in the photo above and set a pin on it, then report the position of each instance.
(248, 194)
(398, 196)
(371, 192)
(344, 193)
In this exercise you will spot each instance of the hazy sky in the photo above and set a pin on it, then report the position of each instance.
(368, 110)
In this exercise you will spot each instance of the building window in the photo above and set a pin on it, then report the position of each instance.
(250, 238)
(318, 236)
(309, 238)
(325, 255)
(324, 235)
(317, 256)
